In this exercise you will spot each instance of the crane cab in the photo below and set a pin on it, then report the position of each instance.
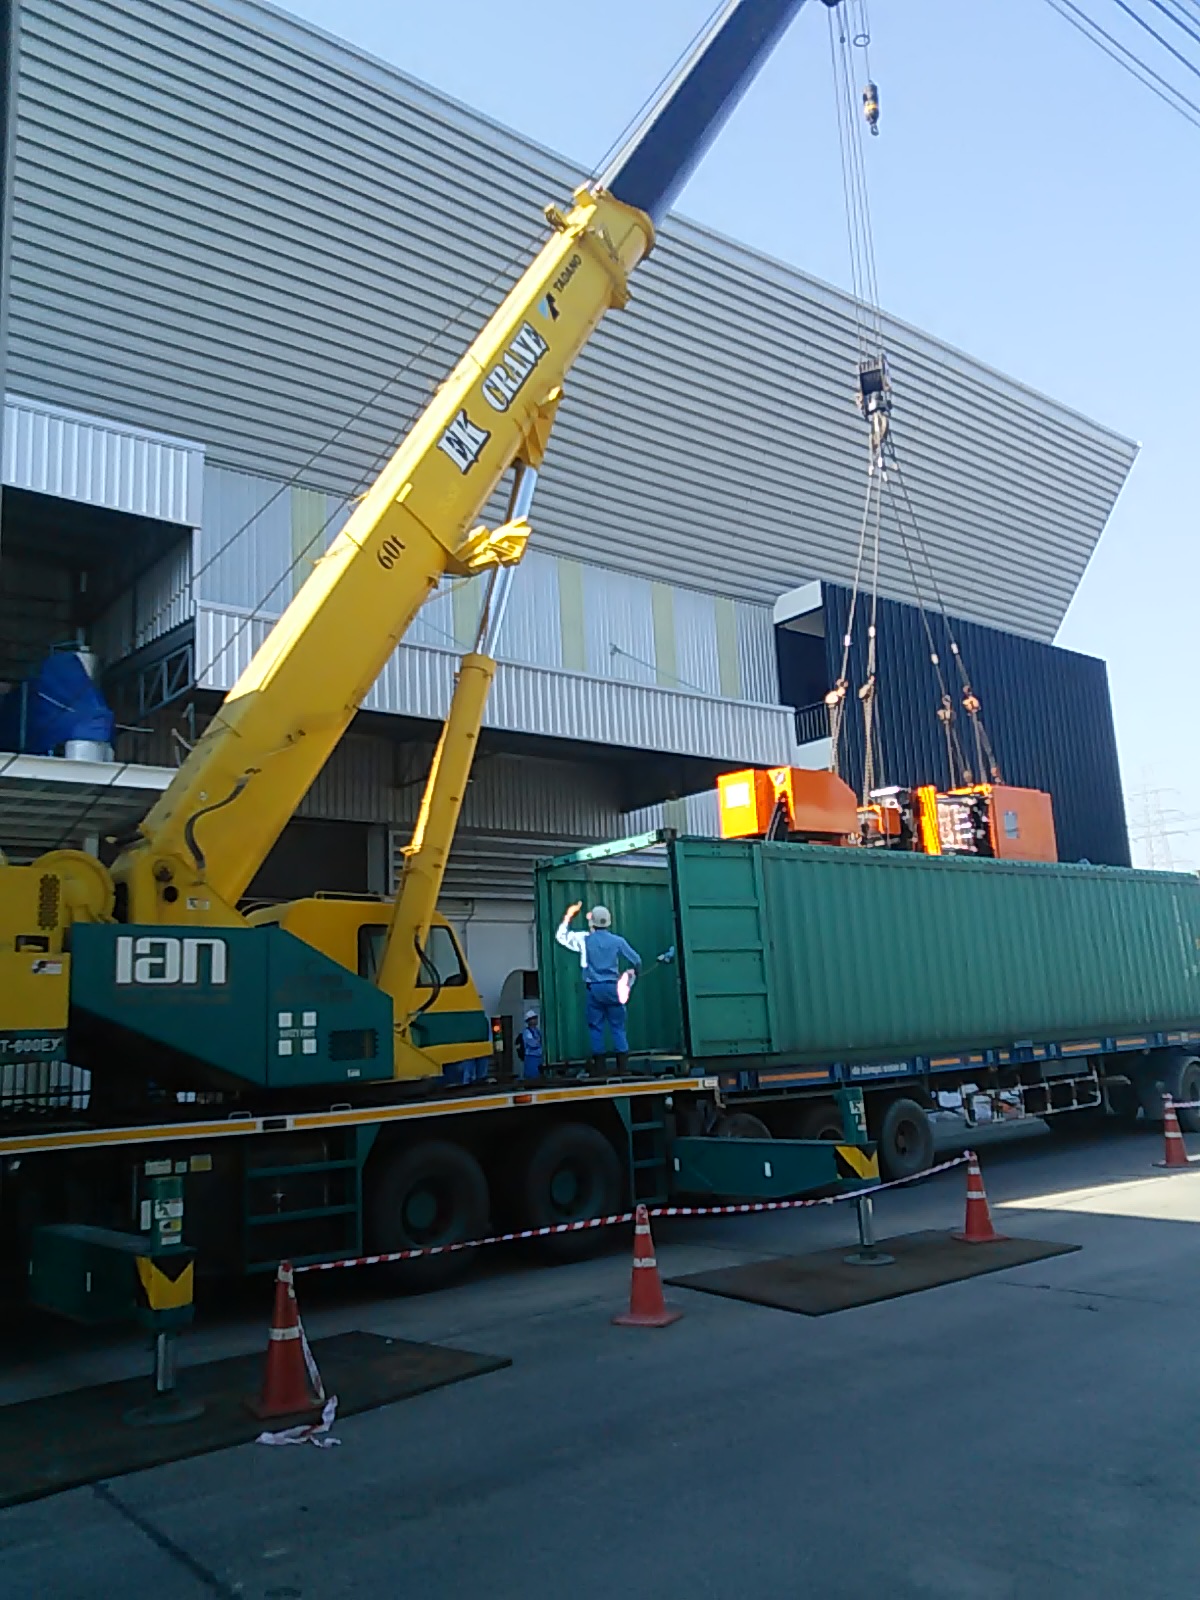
(449, 1028)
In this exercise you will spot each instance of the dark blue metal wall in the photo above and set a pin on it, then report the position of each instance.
(1047, 712)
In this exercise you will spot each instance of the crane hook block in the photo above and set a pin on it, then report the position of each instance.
(871, 107)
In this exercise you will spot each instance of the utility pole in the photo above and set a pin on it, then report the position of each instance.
(1158, 823)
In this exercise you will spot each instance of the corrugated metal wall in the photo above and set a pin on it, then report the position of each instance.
(50, 450)
(374, 779)
(159, 600)
(1047, 712)
(517, 810)
(259, 535)
(695, 814)
(230, 228)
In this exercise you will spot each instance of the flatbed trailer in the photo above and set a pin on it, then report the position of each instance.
(757, 971)
(316, 1184)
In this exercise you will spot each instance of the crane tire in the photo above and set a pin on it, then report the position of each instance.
(433, 1192)
(570, 1173)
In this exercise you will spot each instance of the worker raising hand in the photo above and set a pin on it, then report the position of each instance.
(601, 952)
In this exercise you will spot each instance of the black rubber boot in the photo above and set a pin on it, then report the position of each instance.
(599, 1063)
(622, 1060)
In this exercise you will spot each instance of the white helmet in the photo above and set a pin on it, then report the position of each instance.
(600, 917)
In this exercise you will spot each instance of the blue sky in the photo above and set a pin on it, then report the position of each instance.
(1032, 205)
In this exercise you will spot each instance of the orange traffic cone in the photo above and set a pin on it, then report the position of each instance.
(291, 1383)
(977, 1228)
(647, 1308)
(1174, 1150)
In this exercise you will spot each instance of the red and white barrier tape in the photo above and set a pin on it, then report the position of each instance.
(1183, 1105)
(742, 1209)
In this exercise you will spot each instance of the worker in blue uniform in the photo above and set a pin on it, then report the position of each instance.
(529, 1046)
(601, 953)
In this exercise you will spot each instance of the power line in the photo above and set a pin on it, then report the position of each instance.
(1180, 22)
(1173, 97)
(1156, 36)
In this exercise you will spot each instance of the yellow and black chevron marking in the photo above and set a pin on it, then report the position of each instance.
(166, 1283)
(856, 1161)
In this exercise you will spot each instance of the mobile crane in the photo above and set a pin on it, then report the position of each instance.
(149, 976)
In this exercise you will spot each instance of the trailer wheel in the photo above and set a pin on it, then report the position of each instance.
(741, 1125)
(425, 1194)
(571, 1175)
(822, 1121)
(1180, 1075)
(905, 1140)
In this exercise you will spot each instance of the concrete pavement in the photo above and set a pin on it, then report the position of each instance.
(1021, 1435)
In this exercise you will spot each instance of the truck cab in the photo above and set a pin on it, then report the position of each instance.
(451, 1027)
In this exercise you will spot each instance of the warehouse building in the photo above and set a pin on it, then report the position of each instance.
(238, 255)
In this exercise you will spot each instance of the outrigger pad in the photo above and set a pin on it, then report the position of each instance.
(65, 1440)
(823, 1282)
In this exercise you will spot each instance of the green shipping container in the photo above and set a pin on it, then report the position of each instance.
(805, 954)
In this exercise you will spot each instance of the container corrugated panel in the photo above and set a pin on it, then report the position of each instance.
(201, 247)
(1047, 713)
(639, 897)
(824, 954)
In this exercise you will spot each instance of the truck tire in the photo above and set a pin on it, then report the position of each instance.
(1179, 1074)
(905, 1140)
(571, 1175)
(423, 1194)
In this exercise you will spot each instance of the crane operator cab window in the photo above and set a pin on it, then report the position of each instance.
(442, 955)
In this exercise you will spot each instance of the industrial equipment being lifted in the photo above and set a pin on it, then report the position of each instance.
(814, 806)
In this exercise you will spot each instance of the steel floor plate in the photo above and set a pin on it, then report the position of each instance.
(64, 1440)
(817, 1284)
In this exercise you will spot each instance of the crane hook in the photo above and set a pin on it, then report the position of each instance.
(871, 107)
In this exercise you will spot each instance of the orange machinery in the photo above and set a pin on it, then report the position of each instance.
(986, 819)
(804, 803)
(816, 806)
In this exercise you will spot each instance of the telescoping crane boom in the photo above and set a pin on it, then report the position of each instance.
(203, 841)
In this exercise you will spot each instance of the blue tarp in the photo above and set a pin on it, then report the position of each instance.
(59, 702)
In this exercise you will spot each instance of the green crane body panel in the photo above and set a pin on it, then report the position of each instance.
(808, 954)
(248, 1005)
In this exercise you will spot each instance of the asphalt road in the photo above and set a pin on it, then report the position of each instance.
(1026, 1434)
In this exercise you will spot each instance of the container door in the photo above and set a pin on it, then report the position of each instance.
(639, 897)
(724, 945)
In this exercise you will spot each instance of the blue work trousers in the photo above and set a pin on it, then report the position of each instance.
(603, 1007)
